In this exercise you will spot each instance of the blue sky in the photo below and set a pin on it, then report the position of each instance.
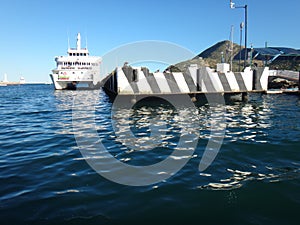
(33, 32)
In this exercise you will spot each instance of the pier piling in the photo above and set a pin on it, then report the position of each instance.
(244, 96)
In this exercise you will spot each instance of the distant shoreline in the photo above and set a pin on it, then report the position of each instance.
(18, 83)
(10, 83)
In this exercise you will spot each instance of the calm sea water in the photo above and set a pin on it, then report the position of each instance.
(44, 179)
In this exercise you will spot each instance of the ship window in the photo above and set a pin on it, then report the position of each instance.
(84, 54)
(69, 63)
(81, 54)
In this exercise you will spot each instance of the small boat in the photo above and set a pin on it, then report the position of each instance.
(76, 70)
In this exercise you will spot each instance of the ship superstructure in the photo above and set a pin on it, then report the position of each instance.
(76, 70)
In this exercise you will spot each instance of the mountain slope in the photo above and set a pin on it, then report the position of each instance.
(210, 57)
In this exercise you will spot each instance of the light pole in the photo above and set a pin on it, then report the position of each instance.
(241, 38)
(232, 6)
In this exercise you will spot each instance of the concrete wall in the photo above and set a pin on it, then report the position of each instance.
(132, 80)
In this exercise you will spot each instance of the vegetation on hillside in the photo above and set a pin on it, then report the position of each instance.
(285, 65)
(211, 57)
(222, 51)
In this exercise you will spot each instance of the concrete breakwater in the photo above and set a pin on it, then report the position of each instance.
(9, 83)
(139, 82)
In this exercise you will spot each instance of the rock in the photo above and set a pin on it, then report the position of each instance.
(279, 83)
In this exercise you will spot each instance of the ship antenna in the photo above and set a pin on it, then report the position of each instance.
(86, 41)
(68, 39)
(78, 41)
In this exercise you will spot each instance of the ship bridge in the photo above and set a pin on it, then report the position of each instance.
(78, 51)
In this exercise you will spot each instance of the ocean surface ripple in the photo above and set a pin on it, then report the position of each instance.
(44, 178)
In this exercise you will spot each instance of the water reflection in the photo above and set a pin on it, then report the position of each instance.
(248, 121)
(155, 129)
(238, 178)
(148, 134)
(132, 131)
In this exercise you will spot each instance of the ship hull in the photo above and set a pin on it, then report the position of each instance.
(73, 84)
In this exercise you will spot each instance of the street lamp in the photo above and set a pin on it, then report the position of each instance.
(241, 38)
(232, 6)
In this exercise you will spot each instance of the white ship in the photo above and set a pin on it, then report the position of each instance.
(22, 80)
(77, 70)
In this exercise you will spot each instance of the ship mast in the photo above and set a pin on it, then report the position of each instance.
(78, 41)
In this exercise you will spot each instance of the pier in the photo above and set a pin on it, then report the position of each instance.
(5, 81)
(138, 82)
(9, 83)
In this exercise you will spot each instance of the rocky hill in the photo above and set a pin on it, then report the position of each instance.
(213, 55)
(210, 57)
